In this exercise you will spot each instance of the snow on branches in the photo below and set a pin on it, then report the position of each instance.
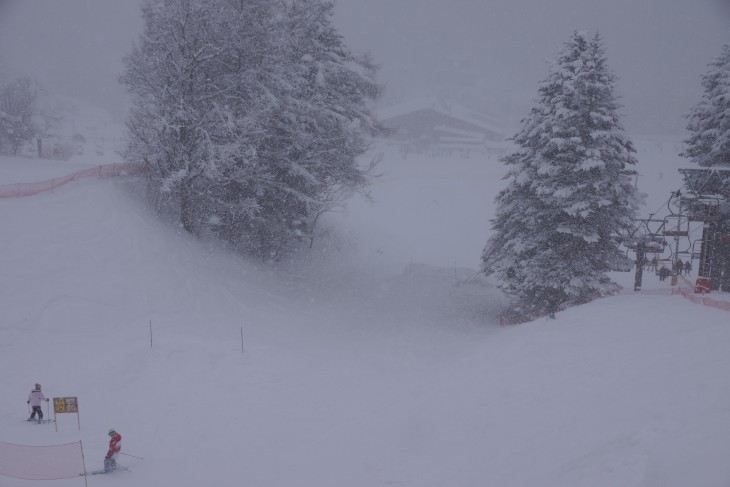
(251, 115)
(569, 189)
(709, 120)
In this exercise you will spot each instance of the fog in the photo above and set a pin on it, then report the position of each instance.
(71, 47)
(486, 54)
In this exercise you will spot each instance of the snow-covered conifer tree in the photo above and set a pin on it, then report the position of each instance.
(569, 189)
(709, 120)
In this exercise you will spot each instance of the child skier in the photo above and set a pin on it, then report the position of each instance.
(115, 446)
(35, 399)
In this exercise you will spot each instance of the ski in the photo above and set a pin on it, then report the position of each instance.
(94, 472)
(43, 421)
(100, 472)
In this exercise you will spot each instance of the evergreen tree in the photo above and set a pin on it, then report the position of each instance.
(569, 189)
(709, 120)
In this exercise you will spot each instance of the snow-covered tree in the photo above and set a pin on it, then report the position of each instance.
(251, 114)
(318, 128)
(250, 35)
(174, 75)
(6, 127)
(569, 189)
(17, 102)
(709, 120)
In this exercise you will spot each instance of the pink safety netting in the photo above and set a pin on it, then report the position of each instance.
(685, 290)
(712, 303)
(41, 462)
(28, 189)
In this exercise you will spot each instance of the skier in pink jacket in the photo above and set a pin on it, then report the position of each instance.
(35, 399)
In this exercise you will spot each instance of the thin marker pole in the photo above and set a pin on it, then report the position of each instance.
(241, 339)
(83, 462)
(133, 456)
(150, 333)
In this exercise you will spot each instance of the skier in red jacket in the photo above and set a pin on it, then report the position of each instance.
(115, 446)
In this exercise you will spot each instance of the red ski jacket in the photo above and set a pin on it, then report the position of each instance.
(115, 445)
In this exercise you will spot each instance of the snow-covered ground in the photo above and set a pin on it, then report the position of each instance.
(376, 360)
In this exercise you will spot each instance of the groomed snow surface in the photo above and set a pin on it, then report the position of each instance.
(374, 360)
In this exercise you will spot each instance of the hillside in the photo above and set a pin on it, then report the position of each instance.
(372, 361)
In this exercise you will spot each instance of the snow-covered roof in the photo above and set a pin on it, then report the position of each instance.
(443, 107)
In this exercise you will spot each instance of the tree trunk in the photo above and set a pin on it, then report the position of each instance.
(187, 209)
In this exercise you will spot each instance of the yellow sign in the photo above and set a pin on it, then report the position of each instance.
(65, 405)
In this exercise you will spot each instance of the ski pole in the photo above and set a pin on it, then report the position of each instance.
(133, 456)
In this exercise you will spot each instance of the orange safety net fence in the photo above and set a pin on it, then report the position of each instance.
(53, 462)
(712, 303)
(29, 189)
(685, 290)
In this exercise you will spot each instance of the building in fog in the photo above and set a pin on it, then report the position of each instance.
(438, 127)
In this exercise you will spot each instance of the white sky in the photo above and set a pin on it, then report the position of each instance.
(491, 54)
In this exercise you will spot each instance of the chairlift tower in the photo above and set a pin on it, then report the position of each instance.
(708, 202)
(678, 229)
(648, 236)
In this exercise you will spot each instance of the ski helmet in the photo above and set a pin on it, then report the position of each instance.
(38, 387)
(112, 432)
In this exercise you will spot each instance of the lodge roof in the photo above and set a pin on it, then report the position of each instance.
(442, 107)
